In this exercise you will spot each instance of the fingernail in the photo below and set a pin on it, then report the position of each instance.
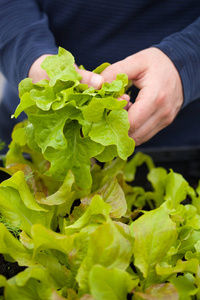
(96, 81)
(125, 97)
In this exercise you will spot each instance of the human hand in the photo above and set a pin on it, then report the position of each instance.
(161, 94)
(37, 74)
(89, 78)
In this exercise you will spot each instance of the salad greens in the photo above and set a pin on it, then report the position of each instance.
(71, 122)
(85, 230)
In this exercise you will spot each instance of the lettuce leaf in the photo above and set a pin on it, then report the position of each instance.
(86, 230)
(109, 284)
(69, 122)
(149, 251)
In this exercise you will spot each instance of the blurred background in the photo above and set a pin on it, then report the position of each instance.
(1, 84)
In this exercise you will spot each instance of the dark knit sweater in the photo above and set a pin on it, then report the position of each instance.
(99, 31)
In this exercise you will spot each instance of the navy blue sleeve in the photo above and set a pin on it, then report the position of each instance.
(183, 48)
(24, 36)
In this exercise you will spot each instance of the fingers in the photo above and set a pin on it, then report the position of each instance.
(127, 98)
(148, 129)
(133, 66)
(161, 94)
(96, 80)
(147, 117)
(91, 79)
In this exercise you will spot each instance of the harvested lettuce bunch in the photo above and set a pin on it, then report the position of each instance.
(69, 122)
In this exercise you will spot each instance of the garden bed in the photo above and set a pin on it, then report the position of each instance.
(185, 161)
(93, 229)
(182, 160)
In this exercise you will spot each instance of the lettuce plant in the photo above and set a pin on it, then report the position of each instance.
(69, 123)
(86, 231)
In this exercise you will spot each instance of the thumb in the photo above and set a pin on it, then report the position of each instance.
(91, 79)
(132, 65)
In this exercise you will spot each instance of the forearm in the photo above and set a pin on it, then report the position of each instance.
(24, 37)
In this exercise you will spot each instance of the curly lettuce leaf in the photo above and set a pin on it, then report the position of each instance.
(154, 233)
(109, 284)
(49, 128)
(164, 291)
(75, 157)
(51, 107)
(113, 195)
(21, 211)
(112, 130)
(109, 246)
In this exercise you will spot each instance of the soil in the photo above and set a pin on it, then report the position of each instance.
(8, 269)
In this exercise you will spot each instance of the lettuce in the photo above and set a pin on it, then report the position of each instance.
(85, 230)
(72, 123)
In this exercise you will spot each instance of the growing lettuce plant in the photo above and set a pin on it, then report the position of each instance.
(86, 231)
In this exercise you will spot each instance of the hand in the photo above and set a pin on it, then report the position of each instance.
(90, 78)
(161, 94)
(37, 74)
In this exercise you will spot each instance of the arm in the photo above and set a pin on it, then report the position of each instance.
(37, 74)
(24, 36)
(25, 40)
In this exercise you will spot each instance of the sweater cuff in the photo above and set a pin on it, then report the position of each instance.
(41, 42)
(23, 49)
(183, 49)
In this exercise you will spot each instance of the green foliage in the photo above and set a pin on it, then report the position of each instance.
(13, 229)
(86, 230)
(2, 145)
(72, 123)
